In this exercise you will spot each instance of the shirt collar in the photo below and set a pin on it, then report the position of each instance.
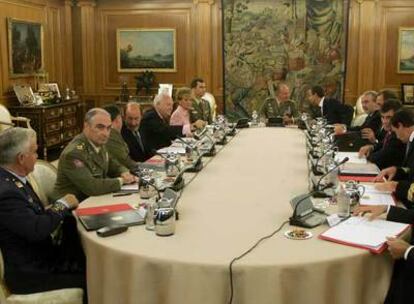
(23, 179)
(411, 137)
(96, 148)
(321, 102)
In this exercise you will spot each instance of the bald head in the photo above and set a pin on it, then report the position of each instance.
(132, 116)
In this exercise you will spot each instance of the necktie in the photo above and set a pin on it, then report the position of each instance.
(386, 139)
(407, 152)
(139, 140)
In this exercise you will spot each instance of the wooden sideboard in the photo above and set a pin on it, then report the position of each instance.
(55, 124)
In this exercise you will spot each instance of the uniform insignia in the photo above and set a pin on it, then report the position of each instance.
(18, 184)
(78, 163)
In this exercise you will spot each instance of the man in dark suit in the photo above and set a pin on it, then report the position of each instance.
(33, 261)
(334, 111)
(400, 290)
(400, 180)
(389, 151)
(131, 134)
(155, 128)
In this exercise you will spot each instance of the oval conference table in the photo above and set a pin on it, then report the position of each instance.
(240, 196)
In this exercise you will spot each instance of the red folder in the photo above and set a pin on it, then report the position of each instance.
(365, 179)
(102, 209)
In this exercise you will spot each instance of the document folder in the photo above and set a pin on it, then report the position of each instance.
(361, 233)
(94, 218)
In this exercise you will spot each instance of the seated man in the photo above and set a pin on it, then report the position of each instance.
(116, 145)
(372, 121)
(400, 290)
(130, 132)
(200, 108)
(281, 105)
(85, 168)
(181, 115)
(400, 179)
(390, 150)
(33, 262)
(155, 127)
(329, 108)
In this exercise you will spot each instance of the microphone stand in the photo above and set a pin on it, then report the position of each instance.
(320, 193)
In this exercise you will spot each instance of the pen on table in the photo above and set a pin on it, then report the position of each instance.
(122, 194)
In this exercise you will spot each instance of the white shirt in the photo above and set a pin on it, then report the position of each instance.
(321, 104)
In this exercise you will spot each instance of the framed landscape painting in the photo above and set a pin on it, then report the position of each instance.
(406, 50)
(146, 49)
(25, 47)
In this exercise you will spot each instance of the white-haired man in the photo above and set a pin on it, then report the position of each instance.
(155, 127)
(34, 263)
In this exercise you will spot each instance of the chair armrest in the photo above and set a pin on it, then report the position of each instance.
(6, 123)
(64, 296)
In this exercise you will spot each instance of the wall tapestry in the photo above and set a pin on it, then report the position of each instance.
(146, 49)
(300, 42)
(25, 47)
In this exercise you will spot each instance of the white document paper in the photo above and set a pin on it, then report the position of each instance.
(130, 187)
(359, 231)
(353, 157)
(359, 169)
(372, 196)
(179, 150)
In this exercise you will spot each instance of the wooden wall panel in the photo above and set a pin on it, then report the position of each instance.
(373, 44)
(57, 58)
(198, 44)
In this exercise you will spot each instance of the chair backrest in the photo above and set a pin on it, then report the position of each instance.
(212, 101)
(5, 118)
(359, 113)
(3, 289)
(43, 179)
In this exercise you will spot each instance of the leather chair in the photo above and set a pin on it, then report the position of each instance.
(43, 179)
(213, 105)
(7, 120)
(59, 296)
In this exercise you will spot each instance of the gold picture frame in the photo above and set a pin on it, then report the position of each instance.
(405, 64)
(25, 39)
(141, 49)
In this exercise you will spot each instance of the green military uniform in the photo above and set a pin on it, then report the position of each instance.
(85, 172)
(271, 108)
(200, 110)
(118, 149)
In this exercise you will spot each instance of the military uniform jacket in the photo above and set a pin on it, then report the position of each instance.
(84, 172)
(118, 149)
(25, 226)
(271, 108)
(200, 110)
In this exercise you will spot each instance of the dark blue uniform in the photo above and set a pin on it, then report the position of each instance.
(32, 261)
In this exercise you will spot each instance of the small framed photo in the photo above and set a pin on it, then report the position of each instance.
(24, 94)
(406, 50)
(407, 93)
(50, 87)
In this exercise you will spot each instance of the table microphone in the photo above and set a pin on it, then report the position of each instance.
(320, 193)
(295, 219)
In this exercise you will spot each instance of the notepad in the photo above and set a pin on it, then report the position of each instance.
(353, 157)
(362, 233)
(368, 169)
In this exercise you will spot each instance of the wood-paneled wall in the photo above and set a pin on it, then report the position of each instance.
(373, 45)
(198, 43)
(80, 43)
(55, 16)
